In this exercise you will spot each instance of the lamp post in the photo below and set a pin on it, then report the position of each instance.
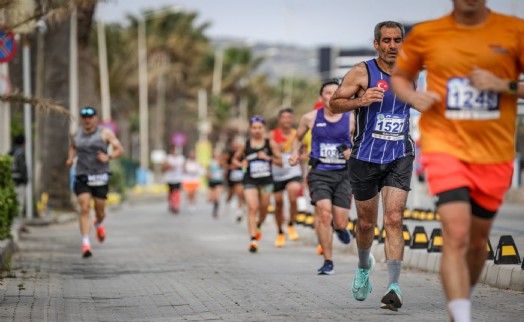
(143, 85)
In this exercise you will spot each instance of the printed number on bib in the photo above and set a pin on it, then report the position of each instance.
(465, 102)
(330, 154)
(259, 169)
(95, 180)
(389, 127)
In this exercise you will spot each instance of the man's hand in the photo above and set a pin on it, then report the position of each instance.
(372, 95)
(294, 158)
(263, 156)
(423, 101)
(69, 162)
(103, 157)
(346, 153)
(485, 80)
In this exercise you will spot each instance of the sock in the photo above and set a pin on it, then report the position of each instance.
(258, 226)
(85, 241)
(290, 224)
(280, 231)
(394, 267)
(98, 223)
(328, 261)
(253, 239)
(460, 310)
(363, 258)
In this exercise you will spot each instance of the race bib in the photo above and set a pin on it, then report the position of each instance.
(236, 175)
(389, 127)
(465, 102)
(285, 159)
(259, 169)
(96, 180)
(329, 154)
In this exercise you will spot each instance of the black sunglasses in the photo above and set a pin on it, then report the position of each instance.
(257, 119)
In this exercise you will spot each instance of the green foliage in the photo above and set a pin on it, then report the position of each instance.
(8, 201)
(117, 180)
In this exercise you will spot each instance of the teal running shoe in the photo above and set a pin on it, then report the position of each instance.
(392, 300)
(361, 284)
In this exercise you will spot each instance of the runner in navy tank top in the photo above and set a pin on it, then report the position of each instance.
(381, 160)
(328, 179)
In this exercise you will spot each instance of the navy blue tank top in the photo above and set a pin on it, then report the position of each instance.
(326, 136)
(382, 128)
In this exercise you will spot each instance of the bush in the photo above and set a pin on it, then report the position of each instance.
(8, 202)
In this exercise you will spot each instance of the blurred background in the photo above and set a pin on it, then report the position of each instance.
(185, 72)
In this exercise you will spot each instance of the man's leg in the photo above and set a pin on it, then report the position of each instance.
(323, 219)
(293, 188)
(394, 202)
(477, 254)
(251, 196)
(279, 218)
(456, 227)
(85, 222)
(265, 195)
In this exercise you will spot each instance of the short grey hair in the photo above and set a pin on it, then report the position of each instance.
(388, 24)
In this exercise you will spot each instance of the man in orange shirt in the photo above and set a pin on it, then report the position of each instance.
(473, 59)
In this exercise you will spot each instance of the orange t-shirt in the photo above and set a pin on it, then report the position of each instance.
(474, 126)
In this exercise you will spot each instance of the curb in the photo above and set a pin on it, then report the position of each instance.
(500, 276)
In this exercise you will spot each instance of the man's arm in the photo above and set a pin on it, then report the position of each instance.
(72, 151)
(354, 83)
(111, 138)
(304, 125)
(402, 83)
(487, 81)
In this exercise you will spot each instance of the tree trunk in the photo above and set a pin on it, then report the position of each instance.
(53, 136)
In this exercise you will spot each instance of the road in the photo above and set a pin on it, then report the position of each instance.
(155, 266)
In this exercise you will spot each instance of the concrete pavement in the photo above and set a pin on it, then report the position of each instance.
(158, 267)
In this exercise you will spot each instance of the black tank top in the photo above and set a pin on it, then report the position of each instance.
(258, 171)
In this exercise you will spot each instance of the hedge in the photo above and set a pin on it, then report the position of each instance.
(8, 201)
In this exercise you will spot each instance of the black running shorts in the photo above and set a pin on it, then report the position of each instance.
(81, 186)
(368, 178)
(333, 185)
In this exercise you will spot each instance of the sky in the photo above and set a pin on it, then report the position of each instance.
(308, 23)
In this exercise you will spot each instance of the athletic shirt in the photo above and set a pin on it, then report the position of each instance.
(285, 172)
(175, 174)
(258, 170)
(326, 136)
(216, 172)
(192, 170)
(472, 125)
(382, 128)
(87, 147)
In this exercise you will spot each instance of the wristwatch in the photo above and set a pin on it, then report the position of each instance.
(513, 87)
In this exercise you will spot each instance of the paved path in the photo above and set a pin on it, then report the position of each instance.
(158, 267)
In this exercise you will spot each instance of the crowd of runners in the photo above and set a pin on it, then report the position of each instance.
(357, 145)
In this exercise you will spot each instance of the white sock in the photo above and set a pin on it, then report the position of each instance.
(460, 310)
(85, 241)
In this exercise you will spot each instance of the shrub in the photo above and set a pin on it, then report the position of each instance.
(8, 201)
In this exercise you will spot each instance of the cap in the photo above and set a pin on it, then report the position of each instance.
(87, 111)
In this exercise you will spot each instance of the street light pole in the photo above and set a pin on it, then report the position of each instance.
(104, 77)
(143, 107)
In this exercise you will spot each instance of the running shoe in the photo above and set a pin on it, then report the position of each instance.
(392, 300)
(292, 234)
(361, 284)
(343, 235)
(280, 241)
(100, 234)
(258, 236)
(320, 251)
(327, 268)
(86, 251)
(253, 247)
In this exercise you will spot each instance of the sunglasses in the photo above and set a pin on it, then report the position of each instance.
(257, 119)
(89, 112)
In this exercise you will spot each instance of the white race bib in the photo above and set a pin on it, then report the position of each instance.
(465, 102)
(96, 180)
(236, 175)
(329, 154)
(389, 127)
(259, 169)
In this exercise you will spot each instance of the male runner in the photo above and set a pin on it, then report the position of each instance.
(328, 178)
(381, 159)
(473, 59)
(286, 178)
(90, 145)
